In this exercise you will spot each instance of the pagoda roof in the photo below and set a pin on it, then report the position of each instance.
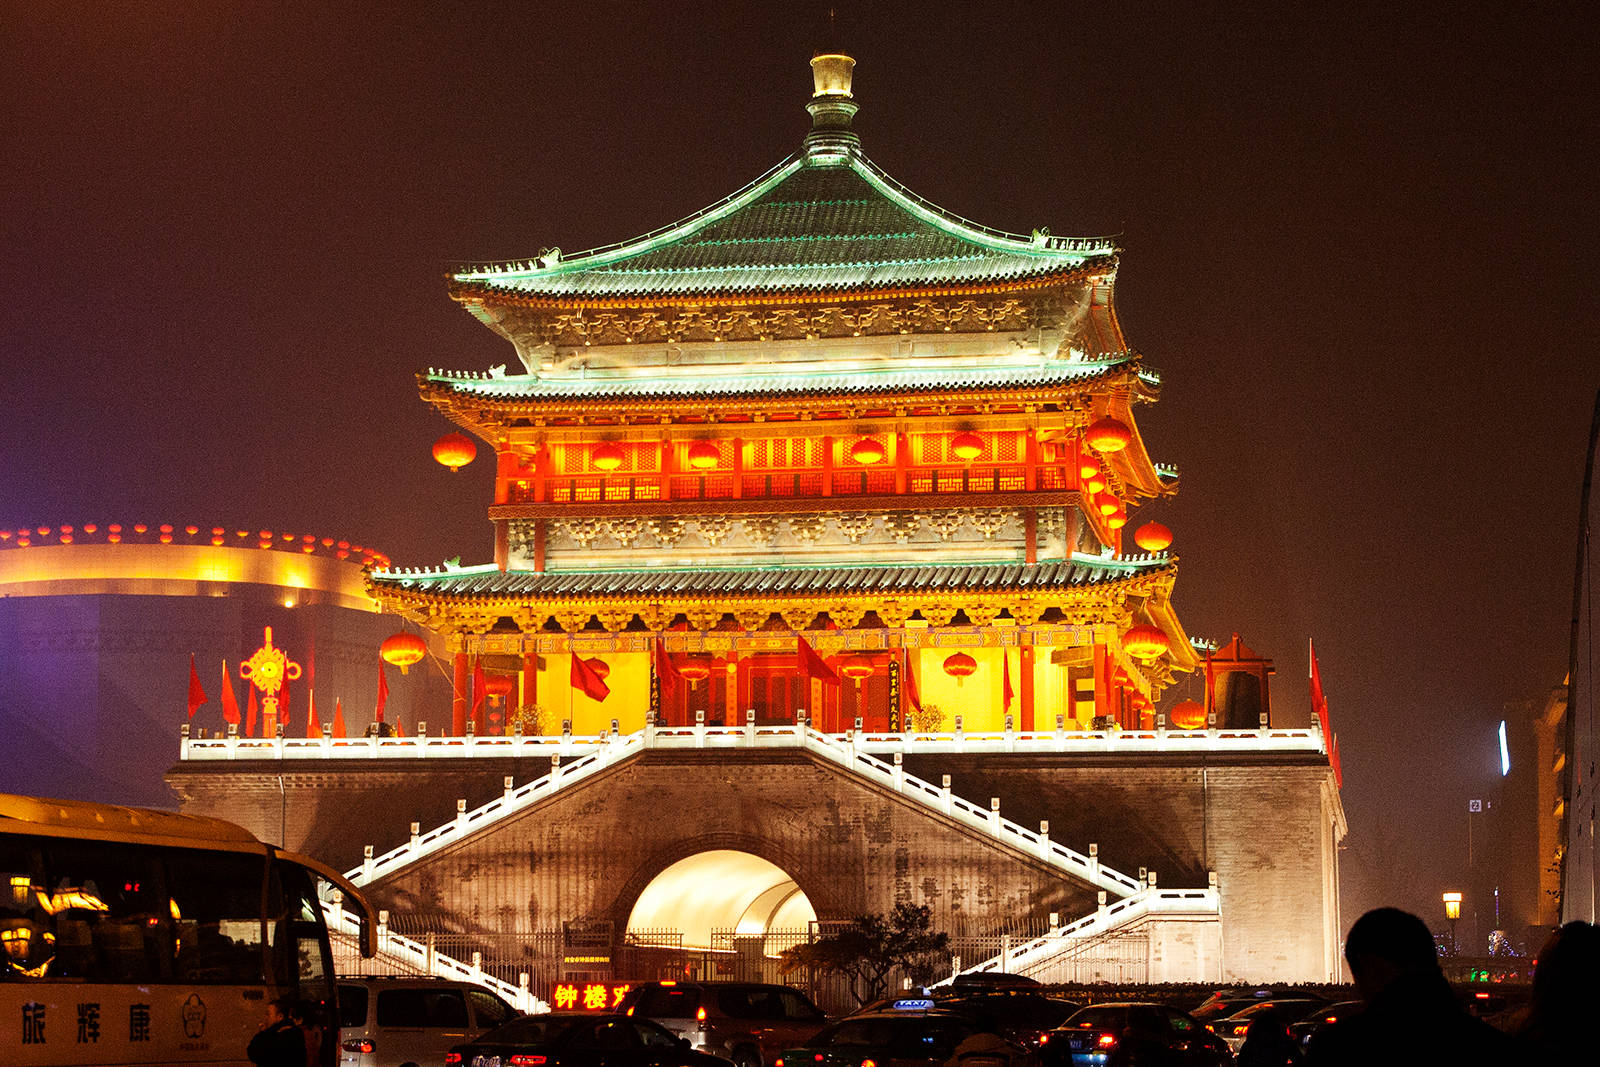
(487, 582)
(637, 384)
(824, 220)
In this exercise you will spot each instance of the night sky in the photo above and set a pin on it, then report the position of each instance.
(1357, 245)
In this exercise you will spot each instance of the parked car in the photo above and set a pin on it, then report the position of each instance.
(1151, 1035)
(411, 1022)
(578, 1039)
(1233, 1028)
(746, 1022)
(1226, 1002)
(1321, 1017)
(911, 1032)
(1021, 1014)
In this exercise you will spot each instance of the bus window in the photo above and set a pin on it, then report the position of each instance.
(299, 946)
(108, 905)
(27, 932)
(216, 914)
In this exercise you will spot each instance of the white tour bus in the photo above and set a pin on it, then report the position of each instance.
(130, 936)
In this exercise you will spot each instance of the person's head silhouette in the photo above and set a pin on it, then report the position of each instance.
(1386, 944)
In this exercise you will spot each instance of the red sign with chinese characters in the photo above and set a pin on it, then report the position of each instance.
(590, 996)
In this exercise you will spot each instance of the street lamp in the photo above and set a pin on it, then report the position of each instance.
(1452, 911)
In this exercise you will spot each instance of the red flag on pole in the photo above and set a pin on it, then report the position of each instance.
(913, 697)
(1319, 702)
(1333, 758)
(399, 728)
(230, 703)
(585, 678)
(338, 717)
(1007, 694)
(197, 694)
(813, 665)
(313, 725)
(250, 711)
(666, 670)
(383, 694)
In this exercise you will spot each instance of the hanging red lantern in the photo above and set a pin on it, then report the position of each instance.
(960, 666)
(1145, 641)
(1117, 520)
(1096, 484)
(857, 668)
(867, 451)
(966, 446)
(1088, 466)
(403, 649)
(703, 455)
(1188, 715)
(498, 685)
(1110, 506)
(1108, 435)
(607, 456)
(600, 667)
(455, 450)
(696, 669)
(1153, 537)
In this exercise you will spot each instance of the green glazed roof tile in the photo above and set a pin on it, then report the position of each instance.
(810, 224)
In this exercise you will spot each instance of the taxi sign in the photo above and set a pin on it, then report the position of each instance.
(913, 1004)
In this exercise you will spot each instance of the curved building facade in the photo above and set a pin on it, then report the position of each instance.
(98, 623)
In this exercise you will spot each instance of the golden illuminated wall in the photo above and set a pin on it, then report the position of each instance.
(180, 570)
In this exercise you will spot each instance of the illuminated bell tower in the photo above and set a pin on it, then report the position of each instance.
(820, 411)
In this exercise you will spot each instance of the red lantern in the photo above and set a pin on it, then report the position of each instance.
(1110, 506)
(1096, 484)
(498, 685)
(1153, 537)
(1117, 520)
(960, 666)
(867, 451)
(1108, 435)
(1088, 467)
(966, 446)
(1145, 641)
(403, 649)
(455, 450)
(1188, 715)
(857, 668)
(607, 456)
(703, 455)
(696, 669)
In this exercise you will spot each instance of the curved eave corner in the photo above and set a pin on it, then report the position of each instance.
(1179, 648)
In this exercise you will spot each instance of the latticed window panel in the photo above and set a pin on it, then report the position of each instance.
(638, 457)
(686, 488)
(719, 486)
(1007, 447)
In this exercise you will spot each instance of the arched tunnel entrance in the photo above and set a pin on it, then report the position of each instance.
(720, 891)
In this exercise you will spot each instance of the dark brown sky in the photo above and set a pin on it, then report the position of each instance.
(1358, 244)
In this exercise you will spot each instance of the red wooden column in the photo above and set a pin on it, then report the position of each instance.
(458, 704)
(902, 462)
(1030, 536)
(502, 544)
(1030, 460)
(1026, 656)
(530, 675)
(479, 705)
(827, 466)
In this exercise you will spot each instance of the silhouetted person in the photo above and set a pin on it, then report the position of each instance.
(279, 1042)
(1566, 992)
(1268, 1042)
(1411, 1015)
(308, 1017)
